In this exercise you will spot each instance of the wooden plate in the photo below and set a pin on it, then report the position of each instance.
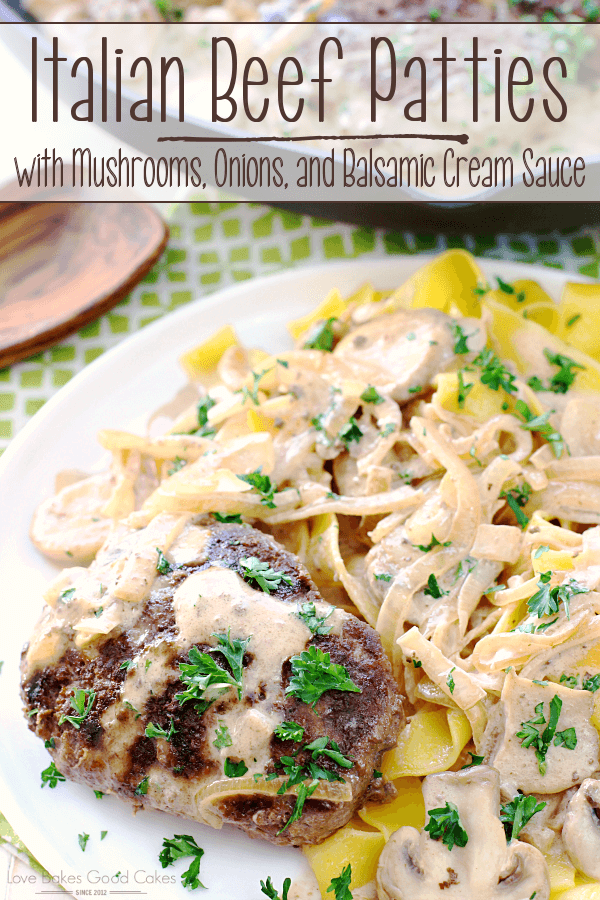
(64, 264)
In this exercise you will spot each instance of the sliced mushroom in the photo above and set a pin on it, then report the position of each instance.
(400, 353)
(518, 765)
(412, 866)
(581, 831)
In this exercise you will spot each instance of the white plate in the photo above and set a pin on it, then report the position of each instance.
(118, 391)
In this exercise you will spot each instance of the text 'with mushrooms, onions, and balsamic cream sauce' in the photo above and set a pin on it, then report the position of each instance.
(346, 597)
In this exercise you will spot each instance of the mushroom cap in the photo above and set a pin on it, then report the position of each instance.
(581, 830)
(412, 866)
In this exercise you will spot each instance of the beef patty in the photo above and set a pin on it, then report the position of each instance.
(165, 677)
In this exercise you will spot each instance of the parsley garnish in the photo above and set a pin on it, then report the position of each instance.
(350, 432)
(321, 338)
(202, 409)
(463, 389)
(49, 744)
(169, 12)
(542, 426)
(460, 337)
(417, 664)
(127, 665)
(82, 840)
(262, 574)
(494, 373)
(142, 788)
(163, 566)
(156, 731)
(383, 576)
(51, 776)
(444, 824)
(507, 288)
(177, 465)
(179, 847)
(571, 681)
(573, 319)
(532, 735)
(235, 769)
(516, 814)
(425, 548)
(262, 485)
(433, 589)
(371, 395)
(315, 623)
(99, 795)
(232, 519)
(223, 738)
(591, 684)
(313, 674)
(82, 702)
(67, 594)
(416, 389)
(516, 498)
(450, 680)
(546, 601)
(341, 884)
(206, 679)
(289, 731)
(564, 378)
(475, 760)
(270, 891)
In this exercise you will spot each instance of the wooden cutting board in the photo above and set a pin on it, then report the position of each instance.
(63, 265)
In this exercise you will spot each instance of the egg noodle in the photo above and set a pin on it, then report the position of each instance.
(432, 455)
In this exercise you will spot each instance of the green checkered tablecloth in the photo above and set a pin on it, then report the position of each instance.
(216, 244)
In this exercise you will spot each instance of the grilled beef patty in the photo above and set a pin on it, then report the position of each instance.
(121, 629)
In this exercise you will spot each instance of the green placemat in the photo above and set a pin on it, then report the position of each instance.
(214, 245)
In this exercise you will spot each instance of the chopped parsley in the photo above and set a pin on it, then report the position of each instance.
(450, 680)
(262, 485)
(341, 885)
(463, 389)
(546, 601)
(444, 825)
(573, 319)
(103, 835)
(532, 735)
(507, 288)
(383, 576)
(416, 389)
(163, 566)
(202, 409)
(425, 548)
(262, 574)
(181, 846)
(388, 429)
(205, 679)
(235, 769)
(51, 776)
(67, 594)
(417, 664)
(82, 702)
(232, 519)
(313, 674)
(493, 373)
(298, 774)
(321, 337)
(127, 664)
(542, 425)
(133, 708)
(562, 380)
(169, 12)
(269, 891)
(176, 466)
(99, 795)
(315, 623)
(49, 744)
(289, 731)
(516, 814)
(350, 432)
(156, 731)
(411, 336)
(475, 760)
(252, 393)
(591, 684)
(223, 738)
(461, 338)
(142, 788)
(82, 839)
(371, 395)
(516, 498)
(433, 589)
